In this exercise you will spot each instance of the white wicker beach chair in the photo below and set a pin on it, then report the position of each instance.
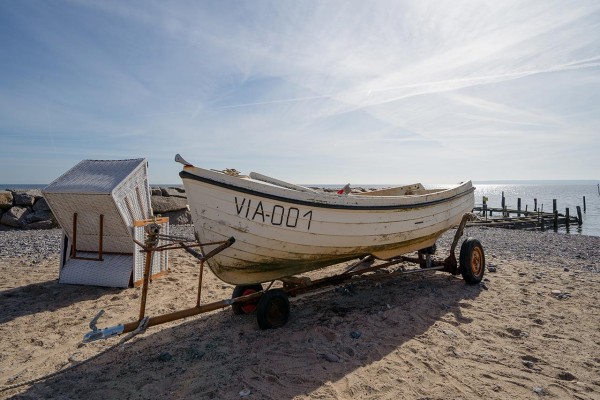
(101, 206)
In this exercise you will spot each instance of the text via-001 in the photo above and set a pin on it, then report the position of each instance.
(276, 214)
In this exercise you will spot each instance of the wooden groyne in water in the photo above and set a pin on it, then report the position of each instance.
(503, 217)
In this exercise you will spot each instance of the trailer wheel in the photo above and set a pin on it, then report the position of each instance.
(273, 310)
(472, 260)
(246, 307)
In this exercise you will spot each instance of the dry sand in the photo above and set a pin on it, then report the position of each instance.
(427, 336)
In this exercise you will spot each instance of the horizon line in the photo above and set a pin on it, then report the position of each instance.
(479, 181)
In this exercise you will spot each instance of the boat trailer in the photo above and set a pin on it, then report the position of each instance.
(272, 304)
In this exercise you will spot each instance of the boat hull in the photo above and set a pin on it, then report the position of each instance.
(281, 232)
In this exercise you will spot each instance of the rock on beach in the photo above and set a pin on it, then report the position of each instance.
(25, 209)
(6, 200)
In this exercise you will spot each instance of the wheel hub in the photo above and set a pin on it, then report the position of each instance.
(476, 261)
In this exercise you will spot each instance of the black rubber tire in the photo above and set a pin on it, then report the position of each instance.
(273, 309)
(472, 261)
(248, 306)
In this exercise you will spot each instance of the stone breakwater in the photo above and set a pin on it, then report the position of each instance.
(27, 209)
(171, 202)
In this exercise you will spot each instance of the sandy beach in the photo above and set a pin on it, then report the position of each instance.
(531, 330)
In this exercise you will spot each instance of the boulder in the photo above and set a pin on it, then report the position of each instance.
(156, 192)
(6, 200)
(162, 205)
(15, 217)
(48, 224)
(42, 215)
(26, 197)
(41, 205)
(173, 192)
(179, 217)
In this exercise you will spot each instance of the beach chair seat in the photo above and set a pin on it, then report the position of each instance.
(101, 206)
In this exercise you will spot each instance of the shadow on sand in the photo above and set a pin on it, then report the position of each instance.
(46, 296)
(329, 335)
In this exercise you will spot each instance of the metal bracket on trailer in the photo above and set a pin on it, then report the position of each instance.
(149, 247)
(450, 263)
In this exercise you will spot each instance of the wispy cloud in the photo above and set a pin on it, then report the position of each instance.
(310, 91)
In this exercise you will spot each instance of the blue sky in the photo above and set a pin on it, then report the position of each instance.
(306, 91)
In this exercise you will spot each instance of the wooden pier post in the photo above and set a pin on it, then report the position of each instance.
(567, 218)
(526, 205)
(535, 205)
(542, 222)
(518, 206)
(503, 201)
(579, 219)
(74, 245)
(555, 219)
(554, 209)
(485, 199)
(583, 203)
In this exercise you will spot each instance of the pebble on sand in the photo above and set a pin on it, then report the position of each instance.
(450, 333)
(539, 390)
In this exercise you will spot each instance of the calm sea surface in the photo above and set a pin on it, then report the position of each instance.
(567, 194)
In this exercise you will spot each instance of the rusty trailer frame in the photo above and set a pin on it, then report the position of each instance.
(275, 314)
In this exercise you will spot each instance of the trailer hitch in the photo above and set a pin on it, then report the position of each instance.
(97, 334)
(150, 246)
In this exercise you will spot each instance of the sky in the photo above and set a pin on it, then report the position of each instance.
(313, 92)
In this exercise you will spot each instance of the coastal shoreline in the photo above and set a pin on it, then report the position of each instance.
(530, 330)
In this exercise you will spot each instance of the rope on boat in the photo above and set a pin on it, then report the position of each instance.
(140, 329)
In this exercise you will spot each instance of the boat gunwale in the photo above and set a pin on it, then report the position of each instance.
(319, 204)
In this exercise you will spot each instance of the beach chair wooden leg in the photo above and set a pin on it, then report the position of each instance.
(100, 237)
(74, 245)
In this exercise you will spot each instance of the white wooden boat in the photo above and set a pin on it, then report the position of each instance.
(281, 229)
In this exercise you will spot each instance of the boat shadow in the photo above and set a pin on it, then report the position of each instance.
(330, 335)
(46, 296)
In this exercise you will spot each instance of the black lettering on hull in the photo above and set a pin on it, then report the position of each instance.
(259, 211)
(277, 215)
